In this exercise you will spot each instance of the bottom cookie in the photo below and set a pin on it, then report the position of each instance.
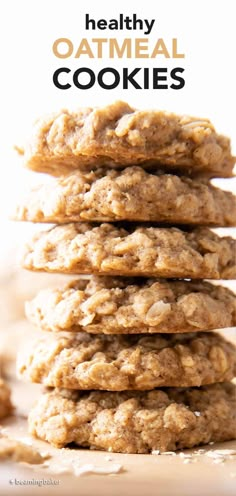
(136, 422)
(6, 407)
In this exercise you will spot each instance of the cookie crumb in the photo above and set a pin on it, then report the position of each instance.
(184, 455)
(90, 469)
(218, 461)
(172, 453)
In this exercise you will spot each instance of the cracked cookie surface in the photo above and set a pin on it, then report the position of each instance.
(119, 363)
(130, 306)
(134, 251)
(136, 422)
(132, 194)
(118, 135)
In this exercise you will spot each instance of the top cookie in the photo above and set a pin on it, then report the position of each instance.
(118, 135)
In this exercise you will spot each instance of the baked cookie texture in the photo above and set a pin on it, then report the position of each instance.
(136, 422)
(119, 363)
(132, 194)
(109, 305)
(6, 407)
(132, 251)
(118, 135)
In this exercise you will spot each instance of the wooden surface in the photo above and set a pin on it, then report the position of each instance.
(141, 475)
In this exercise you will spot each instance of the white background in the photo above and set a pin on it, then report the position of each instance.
(206, 34)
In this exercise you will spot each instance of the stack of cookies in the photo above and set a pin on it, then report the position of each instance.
(130, 358)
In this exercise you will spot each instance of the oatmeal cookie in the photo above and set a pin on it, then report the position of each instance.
(131, 194)
(130, 306)
(136, 422)
(119, 363)
(133, 251)
(118, 135)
